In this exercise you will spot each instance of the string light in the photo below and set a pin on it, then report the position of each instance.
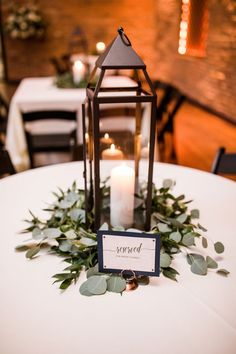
(183, 28)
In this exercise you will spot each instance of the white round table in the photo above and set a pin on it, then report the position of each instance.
(195, 315)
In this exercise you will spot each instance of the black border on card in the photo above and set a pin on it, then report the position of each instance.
(100, 233)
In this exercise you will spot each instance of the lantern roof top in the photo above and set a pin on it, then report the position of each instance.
(120, 55)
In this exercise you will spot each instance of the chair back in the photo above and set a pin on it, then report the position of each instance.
(224, 163)
(6, 166)
(119, 122)
(50, 139)
(3, 114)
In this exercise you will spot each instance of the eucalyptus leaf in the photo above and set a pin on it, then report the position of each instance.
(93, 271)
(64, 276)
(174, 250)
(188, 239)
(116, 284)
(170, 273)
(65, 284)
(195, 214)
(51, 232)
(59, 214)
(143, 280)
(223, 272)
(70, 234)
(219, 247)
(65, 246)
(204, 242)
(165, 260)
(163, 227)
(194, 256)
(97, 285)
(175, 236)
(182, 218)
(167, 183)
(201, 227)
(72, 197)
(118, 228)
(65, 204)
(84, 289)
(32, 252)
(211, 263)
(21, 248)
(104, 226)
(181, 197)
(87, 242)
(76, 214)
(134, 230)
(37, 234)
(199, 266)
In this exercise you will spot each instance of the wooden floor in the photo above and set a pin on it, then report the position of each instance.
(198, 134)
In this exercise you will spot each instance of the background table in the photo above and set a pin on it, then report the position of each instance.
(41, 94)
(194, 315)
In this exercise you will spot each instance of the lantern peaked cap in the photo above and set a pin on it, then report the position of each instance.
(120, 55)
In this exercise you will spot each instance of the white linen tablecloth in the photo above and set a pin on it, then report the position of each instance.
(194, 315)
(41, 94)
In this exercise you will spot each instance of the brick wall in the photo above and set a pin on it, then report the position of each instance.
(98, 19)
(152, 26)
(211, 80)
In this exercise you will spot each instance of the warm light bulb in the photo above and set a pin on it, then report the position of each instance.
(100, 46)
(182, 42)
(183, 25)
(182, 50)
(183, 34)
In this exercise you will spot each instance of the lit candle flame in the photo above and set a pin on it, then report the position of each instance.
(112, 147)
(106, 136)
(78, 64)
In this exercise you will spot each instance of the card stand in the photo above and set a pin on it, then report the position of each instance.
(130, 279)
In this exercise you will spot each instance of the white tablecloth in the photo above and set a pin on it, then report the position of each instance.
(41, 94)
(195, 315)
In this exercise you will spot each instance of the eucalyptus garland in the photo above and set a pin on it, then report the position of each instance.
(65, 80)
(65, 234)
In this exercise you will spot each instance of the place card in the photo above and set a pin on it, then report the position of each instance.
(131, 251)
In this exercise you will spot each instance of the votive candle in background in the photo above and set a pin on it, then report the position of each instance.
(122, 196)
(112, 153)
(78, 71)
(106, 140)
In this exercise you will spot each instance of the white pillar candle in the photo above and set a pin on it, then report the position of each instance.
(112, 153)
(122, 196)
(145, 152)
(78, 71)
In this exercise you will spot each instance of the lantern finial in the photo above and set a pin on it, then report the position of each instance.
(123, 36)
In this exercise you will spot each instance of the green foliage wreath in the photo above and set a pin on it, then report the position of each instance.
(66, 235)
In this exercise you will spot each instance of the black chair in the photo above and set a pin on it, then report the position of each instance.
(224, 163)
(3, 118)
(6, 166)
(168, 105)
(50, 140)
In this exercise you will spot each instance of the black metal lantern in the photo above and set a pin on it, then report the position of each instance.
(133, 145)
